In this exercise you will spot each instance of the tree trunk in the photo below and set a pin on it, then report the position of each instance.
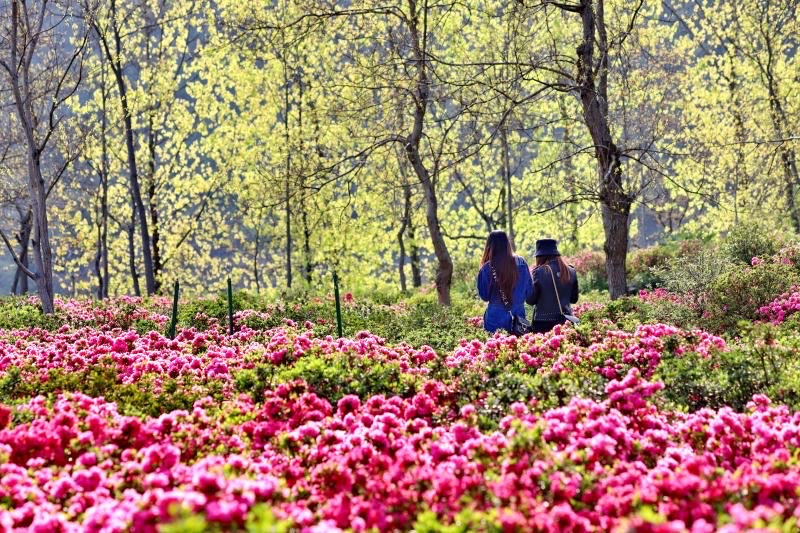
(104, 172)
(507, 183)
(416, 271)
(104, 234)
(131, 230)
(98, 259)
(23, 95)
(309, 264)
(615, 207)
(153, 207)
(287, 191)
(788, 157)
(256, 251)
(615, 203)
(409, 228)
(401, 232)
(20, 285)
(42, 253)
(444, 267)
(156, 237)
(101, 257)
(136, 192)
(401, 264)
(615, 225)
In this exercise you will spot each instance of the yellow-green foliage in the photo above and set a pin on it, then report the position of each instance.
(242, 109)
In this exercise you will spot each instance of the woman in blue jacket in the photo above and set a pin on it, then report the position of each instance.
(511, 280)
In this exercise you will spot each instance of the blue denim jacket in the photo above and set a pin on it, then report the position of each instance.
(496, 315)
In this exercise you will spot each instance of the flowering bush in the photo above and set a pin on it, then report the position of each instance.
(747, 239)
(588, 261)
(740, 294)
(787, 255)
(580, 308)
(591, 268)
(784, 305)
(381, 462)
(107, 428)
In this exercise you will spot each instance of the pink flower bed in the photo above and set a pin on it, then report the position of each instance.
(79, 465)
(582, 307)
(109, 315)
(781, 307)
(619, 462)
(201, 356)
(475, 322)
(559, 350)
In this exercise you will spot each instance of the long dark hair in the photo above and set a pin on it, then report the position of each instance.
(564, 274)
(500, 254)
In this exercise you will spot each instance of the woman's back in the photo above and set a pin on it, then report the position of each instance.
(545, 278)
(498, 313)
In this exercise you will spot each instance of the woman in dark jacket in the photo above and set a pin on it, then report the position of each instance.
(511, 280)
(551, 267)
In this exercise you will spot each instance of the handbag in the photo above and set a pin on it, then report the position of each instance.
(519, 324)
(571, 318)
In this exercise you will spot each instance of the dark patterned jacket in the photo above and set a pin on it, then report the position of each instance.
(544, 294)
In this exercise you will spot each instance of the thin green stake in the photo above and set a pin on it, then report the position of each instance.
(230, 308)
(338, 305)
(174, 321)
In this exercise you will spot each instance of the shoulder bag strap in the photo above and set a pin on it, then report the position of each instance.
(500, 290)
(560, 309)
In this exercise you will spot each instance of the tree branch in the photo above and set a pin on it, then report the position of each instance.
(566, 7)
(22, 267)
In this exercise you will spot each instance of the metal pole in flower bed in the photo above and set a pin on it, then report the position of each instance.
(338, 305)
(173, 322)
(230, 308)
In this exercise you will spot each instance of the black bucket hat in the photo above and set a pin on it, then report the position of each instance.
(546, 247)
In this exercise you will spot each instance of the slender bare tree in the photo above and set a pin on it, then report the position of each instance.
(42, 45)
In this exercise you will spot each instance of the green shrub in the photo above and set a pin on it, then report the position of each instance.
(694, 276)
(427, 322)
(693, 382)
(748, 240)
(622, 312)
(17, 313)
(764, 361)
(196, 313)
(786, 388)
(140, 398)
(492, 388)
(643, 266)
(144, 326)
(737, 294)
(417, 320)
(465, 521)
(260, 519)
(255, 381)
(331, 377)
